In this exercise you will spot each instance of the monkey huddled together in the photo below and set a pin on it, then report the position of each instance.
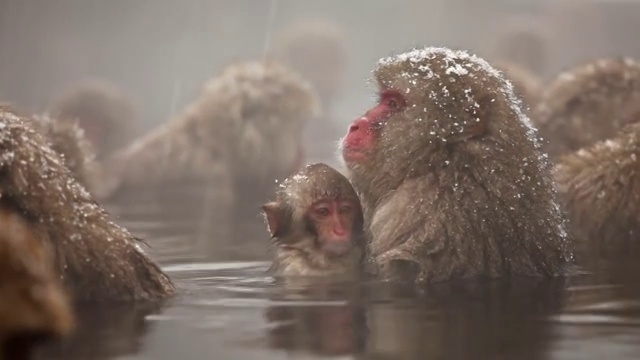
(450, 176)
(316, 223)
(454, 180)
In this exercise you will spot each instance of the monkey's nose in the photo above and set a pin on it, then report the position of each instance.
(356, 125)
(339, 232)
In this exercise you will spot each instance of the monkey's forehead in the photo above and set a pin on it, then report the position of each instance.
(306, 188)
(425, 62)
(443, 76)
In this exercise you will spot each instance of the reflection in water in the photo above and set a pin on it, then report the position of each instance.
(105, 331)
(235, 311)
(328, 328)
(465, 320)
(446, 321)
(325, 330)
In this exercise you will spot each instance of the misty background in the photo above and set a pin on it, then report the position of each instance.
(160, 52)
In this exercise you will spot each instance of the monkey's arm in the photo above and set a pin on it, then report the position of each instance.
(403, 232)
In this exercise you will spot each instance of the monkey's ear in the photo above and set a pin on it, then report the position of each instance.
(273, 215)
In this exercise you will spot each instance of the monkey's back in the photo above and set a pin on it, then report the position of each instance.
(204, 175)
(587, 104)
(457, 181)
(600, 188)
(97, 259)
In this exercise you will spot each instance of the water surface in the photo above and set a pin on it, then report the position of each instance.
(233, 310)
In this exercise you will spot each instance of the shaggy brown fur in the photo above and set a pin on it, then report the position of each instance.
(297, 250)
(217, 162)
(33, 305)
(600, 187)
(67, 139)
(587, 104)
(455, 186)
(100, 102)
(96, 259)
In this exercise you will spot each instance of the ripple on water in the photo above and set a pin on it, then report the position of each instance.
(217, 266)
(263, 303)
(593, 319)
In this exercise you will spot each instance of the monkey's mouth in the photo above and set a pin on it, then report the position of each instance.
(353, 154)
(337, 249)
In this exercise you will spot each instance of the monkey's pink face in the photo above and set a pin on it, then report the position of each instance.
(334, 222)
(363, 133)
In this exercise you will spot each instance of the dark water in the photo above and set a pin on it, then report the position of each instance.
(234, 311)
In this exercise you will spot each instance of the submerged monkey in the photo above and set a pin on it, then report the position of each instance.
(316, 224)
(207, 170)
(589, 103)
(96, 259)
(450, 174)
(600, 188)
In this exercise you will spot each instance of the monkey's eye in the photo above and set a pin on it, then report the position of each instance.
(344, 209)
(392, 100)
(322, 211)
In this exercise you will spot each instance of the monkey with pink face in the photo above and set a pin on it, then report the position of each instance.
(316, 225)
(450, 175)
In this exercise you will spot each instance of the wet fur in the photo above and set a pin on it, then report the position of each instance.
(96, 259)
(456, 186)
(68, 140)
(33, 303)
